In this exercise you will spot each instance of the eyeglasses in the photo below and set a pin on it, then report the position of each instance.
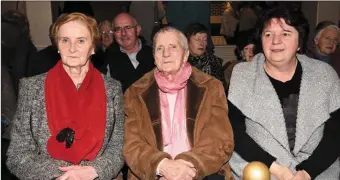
(126, 28)
(107, 33)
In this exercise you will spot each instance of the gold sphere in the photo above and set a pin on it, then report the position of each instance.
(256, 171)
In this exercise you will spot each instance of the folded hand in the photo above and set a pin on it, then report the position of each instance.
(281, 172)
(76, 172)
(301, 175)
(177, 170)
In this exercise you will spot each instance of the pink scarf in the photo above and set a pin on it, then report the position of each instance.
(174, 134)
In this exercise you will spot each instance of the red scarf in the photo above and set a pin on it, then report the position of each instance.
(174, 132)
(84, 111)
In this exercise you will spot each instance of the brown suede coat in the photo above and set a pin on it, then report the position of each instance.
(209, 131)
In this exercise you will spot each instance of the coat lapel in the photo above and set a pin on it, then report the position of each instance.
(193, 103)
(264, 106)
(308, 120)
(194, 97)
(268, 109)
(152, 102)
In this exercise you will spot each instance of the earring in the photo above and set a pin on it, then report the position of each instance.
(58, 52)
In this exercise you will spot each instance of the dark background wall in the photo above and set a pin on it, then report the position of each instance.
(103, 10)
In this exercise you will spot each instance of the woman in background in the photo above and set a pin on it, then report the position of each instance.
(200, 58)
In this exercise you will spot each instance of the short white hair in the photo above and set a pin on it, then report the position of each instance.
(183, 39)
(317, 36)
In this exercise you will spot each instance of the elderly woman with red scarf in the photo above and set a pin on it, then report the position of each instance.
(177, 124)
(69, 121)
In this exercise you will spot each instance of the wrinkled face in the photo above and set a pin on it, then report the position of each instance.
(198, 44)
(169, 53)
(106, 35)
(248, 52)
(75, 44)
(327, 42)
(280, 41)
(126, 32)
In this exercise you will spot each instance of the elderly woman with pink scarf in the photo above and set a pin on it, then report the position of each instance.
(177, 124)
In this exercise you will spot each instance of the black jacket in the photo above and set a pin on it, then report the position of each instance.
(42, 61)
(121, 67)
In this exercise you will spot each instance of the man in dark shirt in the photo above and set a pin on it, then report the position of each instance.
(132, 58)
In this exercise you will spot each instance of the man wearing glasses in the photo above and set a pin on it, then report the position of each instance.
(326, 41)
(131, 59)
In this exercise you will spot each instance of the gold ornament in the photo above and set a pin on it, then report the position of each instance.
(256, 171)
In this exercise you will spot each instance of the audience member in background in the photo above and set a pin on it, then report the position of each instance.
(244, 51)
(131, 59)
(206, 61)
(69, 123)
(285, 107)
(8, 108)
(326, 41)
(229, 22)
(43, 60)
(245, 47)
(16, 45)
(248, 17)
(177, 123)
(148, 14)
(8, 101)
(106, 41)
(106, 32)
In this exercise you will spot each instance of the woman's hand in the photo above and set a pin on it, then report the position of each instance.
(301, 175)
(76, 172)
(281, 172)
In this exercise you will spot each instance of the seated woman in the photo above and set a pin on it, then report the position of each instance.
(244, 51)
(176, 118)
(199, 57)
(245, 47)
(69, 122)
(285, 107)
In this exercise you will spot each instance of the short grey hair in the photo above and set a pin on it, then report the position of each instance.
(317, 36)
(183, 39)
(105, 22)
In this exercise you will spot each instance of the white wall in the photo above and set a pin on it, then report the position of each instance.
(40, 17)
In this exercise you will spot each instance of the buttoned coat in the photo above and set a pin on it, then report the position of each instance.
(28, 158)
